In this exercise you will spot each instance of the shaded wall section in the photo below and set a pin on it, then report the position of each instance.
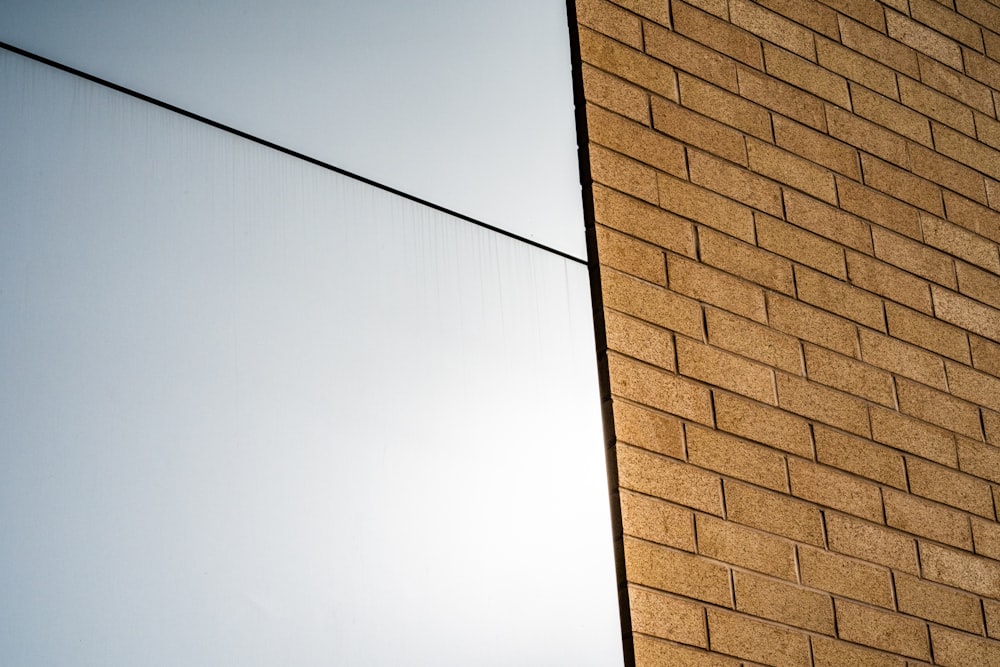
(795, 211)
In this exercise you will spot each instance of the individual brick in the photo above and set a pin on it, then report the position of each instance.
(946, 172)
(722, 369)
(974, 386)
(966, 150)
(909, 435)
(806, 75)
(940, 107)
(689, 56)
(882, 629)
(650, 430)
(985, 355)
(621, 173)
(845, 577)
(986, 538)
(856, 67)
(807, 12)
(860, 457)
(979, 11)
(717, 8)
(944, 20)
(737, 458)
(791, 170)
(867, 136)
(651, 652)
(611, 20)
(992, 613)
(644, 221)
(763, 424)
(827, 221)
(950, 487)
(968, 314)
(840, 298)
(745, 547)
(830, 653)
(650, 303)
(636, 141)
(821, 404)
(958, 649)
(978, 284)
(651, 9)
(868, 12)
(939, 604)
(631, 256)
(706, 207)
(747, 261)
(873, 543)
(717, 288)
(753, 340)
(926, 519)
(955, 84)
(815, 326)
(877, 46)
(923, 39)
(676, 572)
(849, 375)
(960, 569)
(992, 42)
(781, 97)
(636, 339)
(979, 459)
(658, 389)
(972, 216)
(892, 115)
(799, 245)
(616, 94)
(938, 408)
(742, 636)
(830, 488)
(987, 130)
(817, 147)
(735, 182)
(697, 130)
(903, 359)
(982, 68)
(773, 513)
(616, 58)
(724, 107)
(783, 602)
(667, 617)
(653, 520)
(716, 34)
(882, 279)
(872, 205)
(902, 185)
(927, 332)
(772, 27)
(914, 257)
(991, 424)
(655, 475)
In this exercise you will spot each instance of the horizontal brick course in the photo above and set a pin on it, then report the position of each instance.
(872, 543)
(737, 458)
(783, 602)
(754, 340)
(938, 603)
(762, 423)
(773, 513)
(654, 475)
(746, 547)
(860, 457)
(677, 572)
(657, 521)
(659, 389)
(883, 630)
(846, 577)
(745, 637)
(667, 617)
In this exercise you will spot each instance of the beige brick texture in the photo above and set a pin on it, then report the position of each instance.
(793, 212)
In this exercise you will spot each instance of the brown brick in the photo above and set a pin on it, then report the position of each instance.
(792, 170)
(849, 375)
(786, 603)
(914, 257)
(742, 636)
(821, 404)
(753, 340)
(830, 653)
(804, 74)
(773, 513)
(781, 97)
(991, 424)
(615, 94)
(955, 84)
(659, 389)
(846, 577)
(992, 42)
(716, 34)
(653, 520)
(944, 20)
(902, 185)
(817, 147)
(938, 408)
(830, 488)
(902, 359)
(968, 314)
(950, 487)
(665, 616)
(636, 339)
(829, 222)
(792, 242)
(860, 457)
(689, 56)
(697, 130)
(812, 325)
(961, 570)
(987, 130)
(706, 207)
(651, 303)
(939, 107)
(986, 538)
(628, 255)
(718, 8)
(927, 332)
(621, 173)
(807, 12)
(891, 114)
(772, 27)
(616, 58)
(647, 429)
(637, 141)
(927, 519)
(966, 150)
(992, 613)
(677, 482)
(982, 69)
(958, 649)
(651, 652)
(840, 298)
(980, 12)
(745, 547)
(874, 206)
(676, 572)
(868, 12)
(722, 369)
(972, 216)
(978, 284)
(856, 67)
(763, 424)
(746, 261)
(979, 459)
(923, 39)
(881, 629)
(651, 9)
(725, 107)
(873, 543)
(719, 289)
(735, 182)
(877, 46)
(885, 280)
(867, 136)
(611, 20)
(939, 604)
(644, 221)
(946, 172)
(973, 386)
(736, 458)
(909, 435)
(985, 355)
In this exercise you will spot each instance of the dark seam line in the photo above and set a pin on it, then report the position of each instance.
(281, 149)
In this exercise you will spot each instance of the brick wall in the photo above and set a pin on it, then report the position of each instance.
(796, 211)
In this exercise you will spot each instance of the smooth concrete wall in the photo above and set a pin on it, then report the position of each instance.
(794, 206)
